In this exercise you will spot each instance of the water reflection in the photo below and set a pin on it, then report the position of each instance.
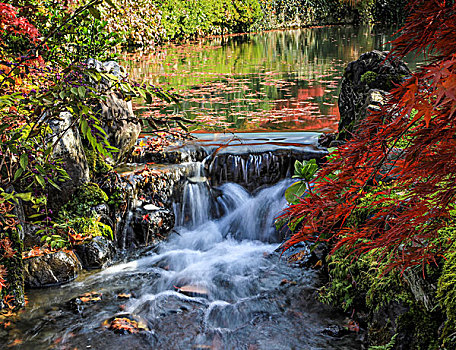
(278, 80)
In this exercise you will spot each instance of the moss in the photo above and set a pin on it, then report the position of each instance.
(90, 227)
(84, 199)
(97, 164)
(419, 328)
(446, 291)
(14, 267)
(369, 77)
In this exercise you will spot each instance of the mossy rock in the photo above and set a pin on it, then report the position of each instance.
(84, 199)
(97, 164)
(14, 267)
(369, 77)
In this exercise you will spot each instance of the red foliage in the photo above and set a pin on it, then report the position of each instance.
(11, 24)
(405, 231)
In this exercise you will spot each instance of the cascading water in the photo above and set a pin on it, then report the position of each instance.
(197, 203)
(215, 284)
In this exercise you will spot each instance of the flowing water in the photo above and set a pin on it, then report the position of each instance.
(217, 283)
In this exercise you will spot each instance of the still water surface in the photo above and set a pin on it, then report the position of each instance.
(278, 80)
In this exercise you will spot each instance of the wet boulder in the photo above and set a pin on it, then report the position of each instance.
(364, 84)
(96, 253)
(151, 224)
(51, 269)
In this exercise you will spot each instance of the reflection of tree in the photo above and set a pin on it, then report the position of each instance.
(239, 79)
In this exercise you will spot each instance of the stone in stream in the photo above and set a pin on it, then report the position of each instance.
(150, 226)
(96, 253)
(51, 269)
(365, 83)
(193, 290)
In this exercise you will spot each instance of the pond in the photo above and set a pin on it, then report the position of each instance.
(271, 81)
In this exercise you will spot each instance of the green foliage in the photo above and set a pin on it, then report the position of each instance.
(84, 199)
(305, 170)
(88, 227)
(55, 241)
(137, 21)
(77, 217)
(446, 291)
(185, 19)
(388, 346)
(369, 77)
(149, 22)
(296, 191)
(361, 281)
(357, 283)
(88, 39)
(97, 163)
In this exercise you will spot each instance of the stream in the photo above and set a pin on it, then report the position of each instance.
(244, 295)
(219, 281)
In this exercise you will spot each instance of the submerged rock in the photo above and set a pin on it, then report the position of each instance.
(51, 269)
(96, 253)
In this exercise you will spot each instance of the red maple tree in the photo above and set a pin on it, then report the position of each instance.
(11, 24)
(420, 117)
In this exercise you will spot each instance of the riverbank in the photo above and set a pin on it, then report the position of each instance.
(179, 21)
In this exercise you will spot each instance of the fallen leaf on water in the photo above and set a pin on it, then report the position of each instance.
(15, 343)
(123, 296)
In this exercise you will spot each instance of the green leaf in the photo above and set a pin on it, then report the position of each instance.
(95, 12)
(81, 91)
(23, 161)
(62, 95)
(18, 173)
(40, 180)
(100, 129)
(40, 169)
(298, 167)
(110, 3)
(54, 184)
(84, 126)
(295, 191)
(24, 196)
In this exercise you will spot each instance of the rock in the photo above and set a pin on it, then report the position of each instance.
(69, 149)
(51, 269)
(118, 120)
(111, 67)
(126, 324)
(151, 207)
(193, 291)
(361, 85)
(96, 253)
(422, 289)
(79, 303)
(335, 331)
(253, 170)
(121, 125)
(151, 226)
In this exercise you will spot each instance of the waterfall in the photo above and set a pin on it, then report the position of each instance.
(197, 201)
